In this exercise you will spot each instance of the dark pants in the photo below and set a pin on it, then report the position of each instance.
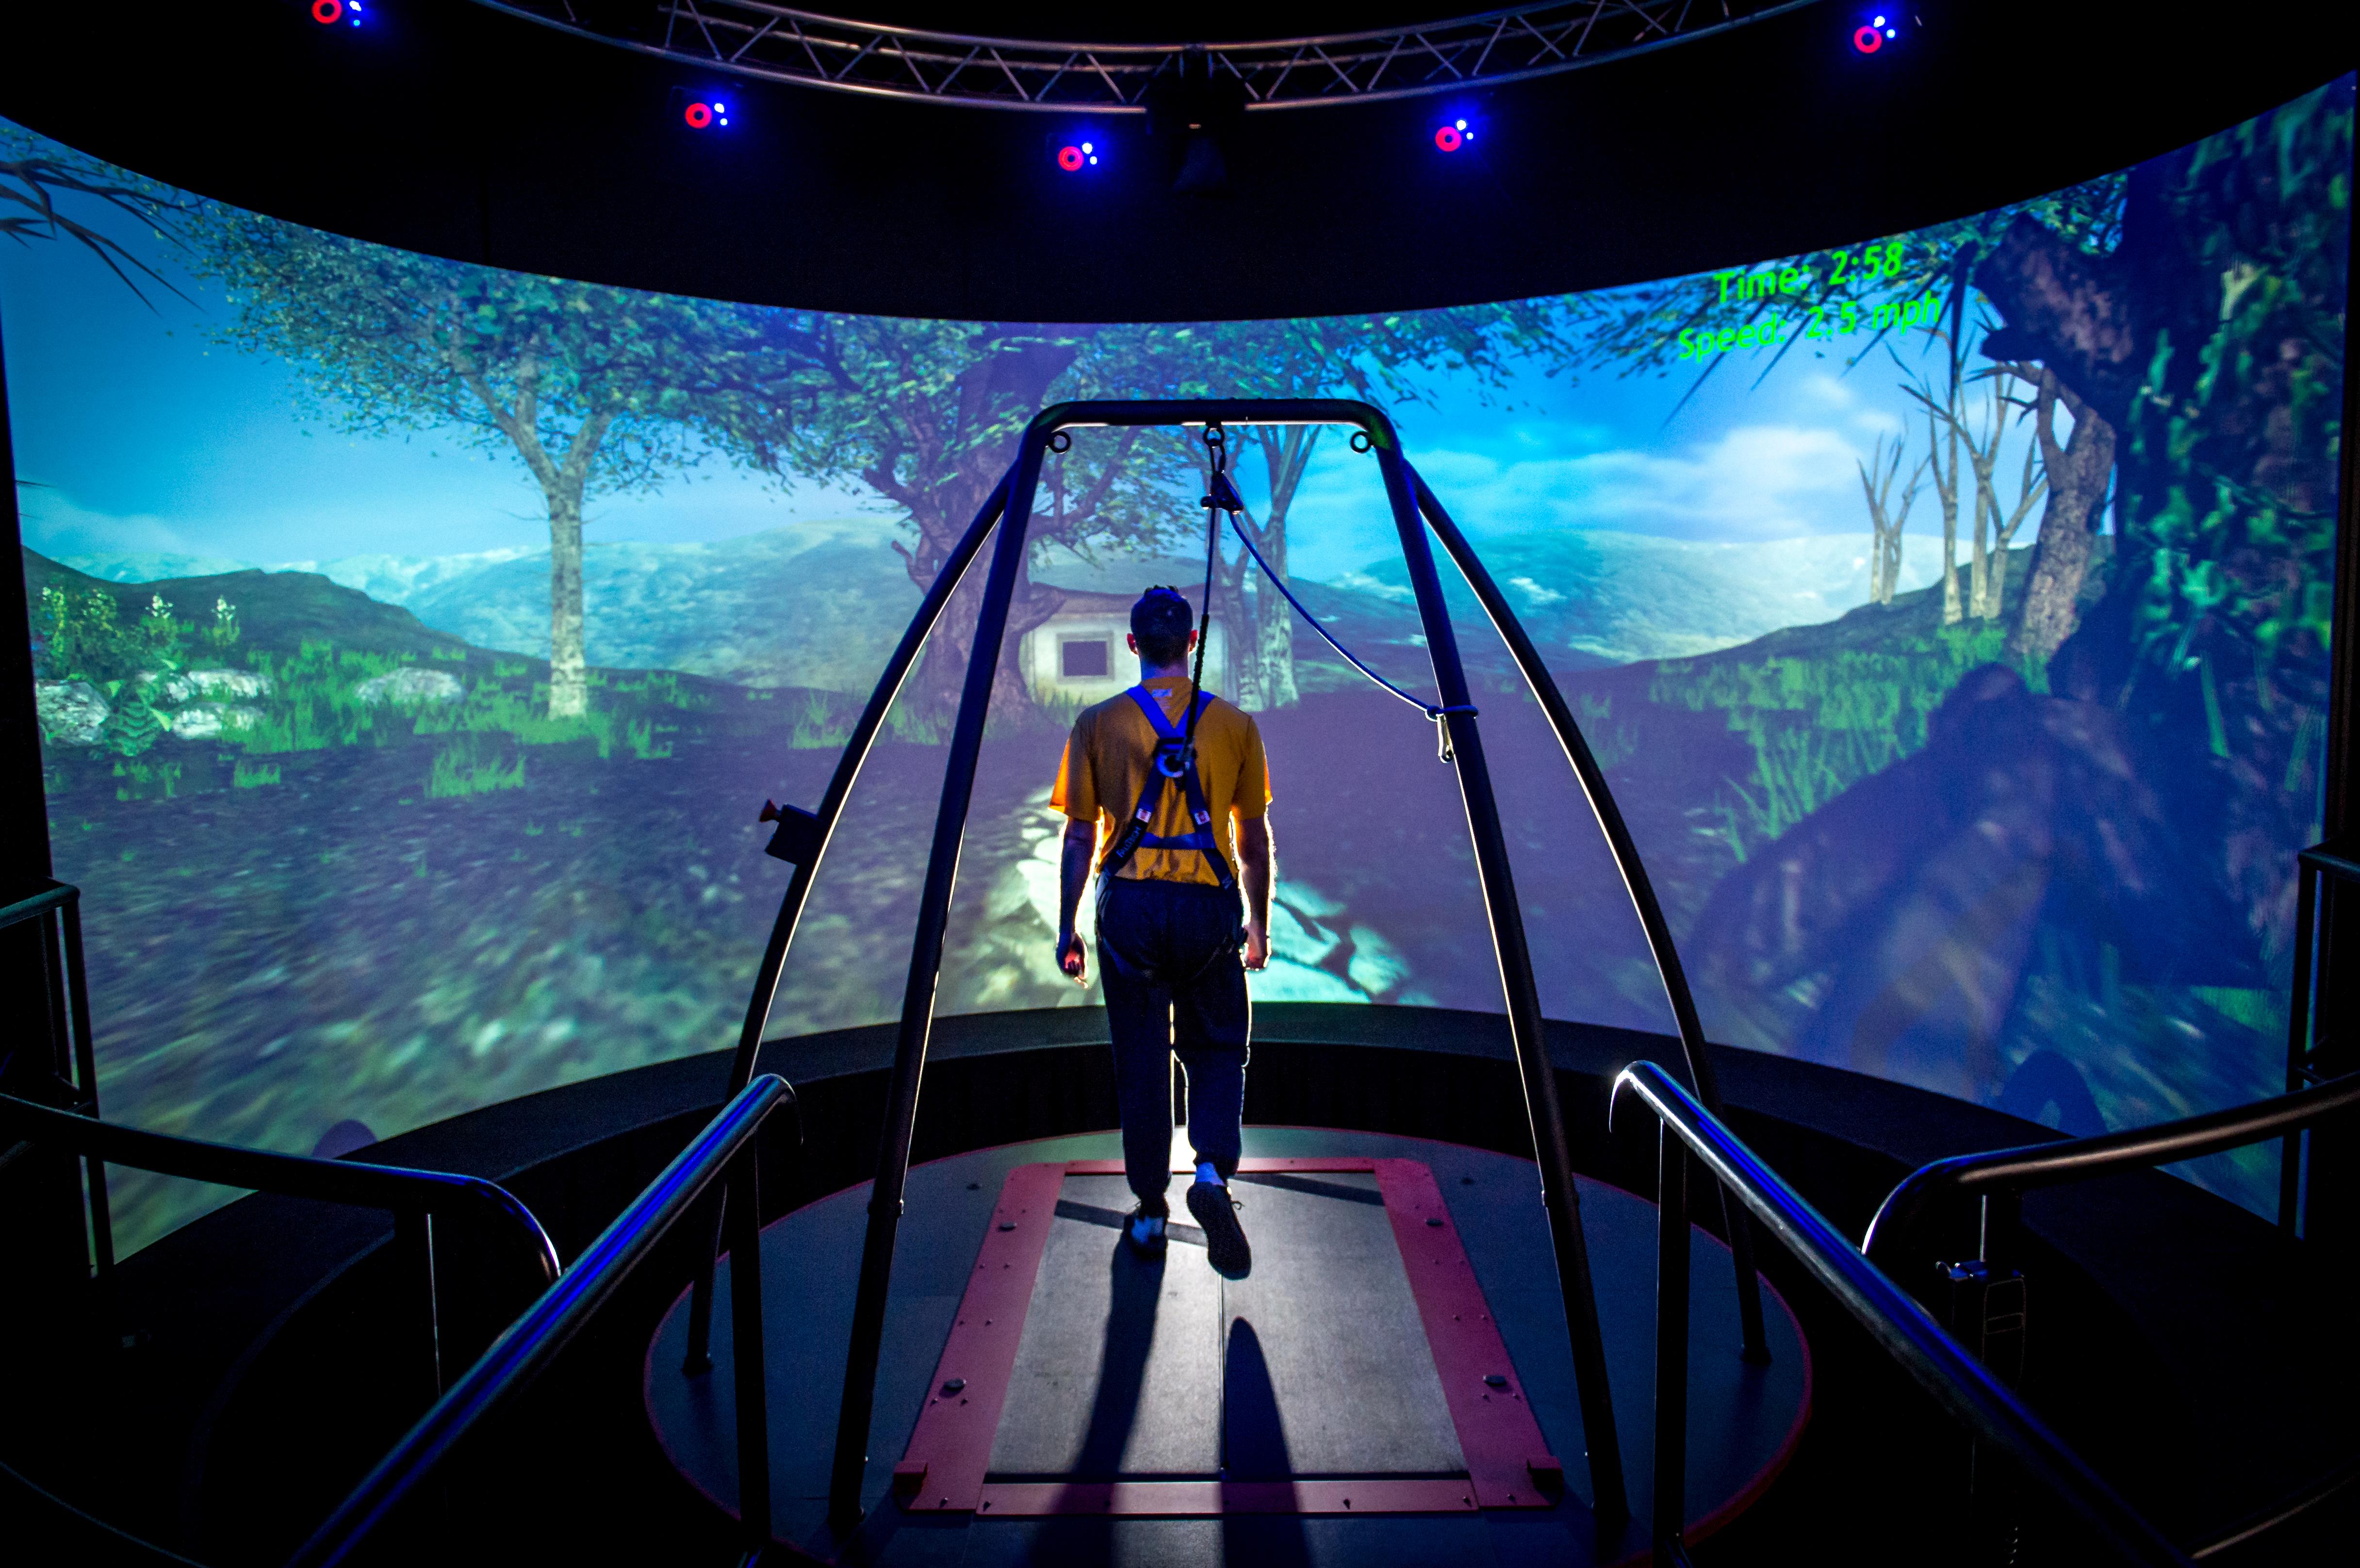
(1174, 986)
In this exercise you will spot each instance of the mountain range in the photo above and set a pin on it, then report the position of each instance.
(822, 603)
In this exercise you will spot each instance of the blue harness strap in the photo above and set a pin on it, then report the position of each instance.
(1173, 763)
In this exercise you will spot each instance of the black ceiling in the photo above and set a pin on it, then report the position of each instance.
(452, 128)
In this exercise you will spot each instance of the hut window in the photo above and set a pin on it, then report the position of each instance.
(1083, 658)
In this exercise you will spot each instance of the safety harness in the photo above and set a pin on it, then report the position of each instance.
(1174, 763)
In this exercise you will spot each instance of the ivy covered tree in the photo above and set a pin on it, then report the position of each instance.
(594, 389)
(2212, 342)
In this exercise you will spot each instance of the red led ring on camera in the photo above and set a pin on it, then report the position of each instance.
(1069, 158)
(1448, 138)
(1868, 40)
(327, 12)
(698, 116)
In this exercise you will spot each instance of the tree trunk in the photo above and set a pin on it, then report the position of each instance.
(1274, 652)
(2079, 472)
(1951, 612)
(569, 672)
(941, 494)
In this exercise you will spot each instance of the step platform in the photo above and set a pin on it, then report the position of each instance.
(1389, 1383)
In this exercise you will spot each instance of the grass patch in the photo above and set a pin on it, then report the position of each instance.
(817, 726)
(254, 775)
(467, 767)
(1818, 726)
(137, 779)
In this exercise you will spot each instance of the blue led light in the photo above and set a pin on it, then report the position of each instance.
(1087, 147)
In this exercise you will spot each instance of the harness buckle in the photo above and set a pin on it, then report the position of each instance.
(1174, 758)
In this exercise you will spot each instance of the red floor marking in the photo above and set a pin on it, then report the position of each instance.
(1250, 1165)
(951, 1447)
(944, 1469)
(1506, 1456)
(1186, 1499)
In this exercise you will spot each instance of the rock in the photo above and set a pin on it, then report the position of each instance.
(410, 686)
(203, 721)
(191, 684)
(72, 712)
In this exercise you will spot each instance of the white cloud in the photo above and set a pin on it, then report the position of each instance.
(55, 525)
(1756, 481)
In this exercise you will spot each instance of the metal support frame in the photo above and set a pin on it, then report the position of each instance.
(917, 994)
(1545, 1116)
(1635, 881)
(777, 43)
(1011, 510)
(816, 832)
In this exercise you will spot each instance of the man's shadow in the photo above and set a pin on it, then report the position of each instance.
(1135, 1289)
(1254, 1448)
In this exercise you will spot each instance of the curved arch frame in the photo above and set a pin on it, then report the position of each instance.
(1415, 508)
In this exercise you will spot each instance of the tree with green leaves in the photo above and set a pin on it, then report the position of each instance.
(925, 412)
(594, 389)
(1398, 362)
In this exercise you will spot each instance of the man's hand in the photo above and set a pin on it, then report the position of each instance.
(1257, 945)
(1073, 876)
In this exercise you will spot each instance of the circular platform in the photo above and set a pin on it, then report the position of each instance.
(1391, 1383)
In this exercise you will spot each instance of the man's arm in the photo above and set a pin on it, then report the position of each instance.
(1073, 876)
(1253, 870)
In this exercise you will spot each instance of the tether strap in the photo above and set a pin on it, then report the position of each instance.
(1175, 762)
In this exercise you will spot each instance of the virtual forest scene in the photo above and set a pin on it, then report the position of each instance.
(416, 644)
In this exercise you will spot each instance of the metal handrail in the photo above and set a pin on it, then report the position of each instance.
(1962, 1385)
(392, 1187)
(534, 1340)
(2317, 872)
(73, 1060)
(2021, 1169)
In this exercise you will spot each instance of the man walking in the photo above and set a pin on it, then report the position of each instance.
(1151, 790)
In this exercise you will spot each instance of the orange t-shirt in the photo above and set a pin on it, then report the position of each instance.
(1109, 758)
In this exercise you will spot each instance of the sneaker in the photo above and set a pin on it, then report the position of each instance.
(1145, 1232)
(1225, 1239)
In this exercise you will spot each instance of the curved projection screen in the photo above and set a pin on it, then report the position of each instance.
(416, 644)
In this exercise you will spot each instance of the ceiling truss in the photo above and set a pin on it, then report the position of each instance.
(748, 37)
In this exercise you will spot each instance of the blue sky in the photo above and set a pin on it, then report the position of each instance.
(140, 435)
